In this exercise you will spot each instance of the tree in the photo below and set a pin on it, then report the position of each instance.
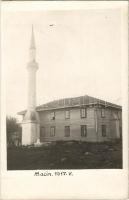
(12, 126)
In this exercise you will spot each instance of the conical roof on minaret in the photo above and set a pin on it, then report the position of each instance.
(32, 42)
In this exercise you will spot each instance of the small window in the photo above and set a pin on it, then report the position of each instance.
(104, 130)
(67, 114)
(52, 115)
(67, 131)
(83, 130)
(42, 133)
(52, 131)
(83, 112)
(102, 112)
(119, 115)
(120, 129)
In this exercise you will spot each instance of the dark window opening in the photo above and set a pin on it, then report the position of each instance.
(83, 112)
(83, 130)
(104, 130)
(67, 114)
(52, 115)
(42, 133)
(67, 131)
(52, 131)
(102, 112)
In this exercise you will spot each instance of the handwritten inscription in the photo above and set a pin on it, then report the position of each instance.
(56, 173)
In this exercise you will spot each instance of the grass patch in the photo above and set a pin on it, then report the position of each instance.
(66, 155)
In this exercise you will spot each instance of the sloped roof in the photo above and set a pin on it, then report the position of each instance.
(73, 102)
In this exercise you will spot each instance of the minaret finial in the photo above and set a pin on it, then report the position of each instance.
(32, 43)
(32, 50)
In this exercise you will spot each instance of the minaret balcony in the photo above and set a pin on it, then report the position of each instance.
(32, 65)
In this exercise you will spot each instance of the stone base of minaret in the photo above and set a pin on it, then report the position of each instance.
(30, 128)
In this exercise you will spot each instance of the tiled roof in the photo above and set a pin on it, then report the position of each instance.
(74, 102)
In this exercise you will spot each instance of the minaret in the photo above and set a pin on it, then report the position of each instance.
(30, 124)
(32, 68)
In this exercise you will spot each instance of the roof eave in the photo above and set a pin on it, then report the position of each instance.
(74, 106)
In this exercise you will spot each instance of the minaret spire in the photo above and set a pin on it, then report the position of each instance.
(32, 68)
(32, 47)
(32, 43)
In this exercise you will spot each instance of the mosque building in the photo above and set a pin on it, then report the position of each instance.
(83, 118)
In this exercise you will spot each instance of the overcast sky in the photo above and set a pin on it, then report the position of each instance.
(80, 54)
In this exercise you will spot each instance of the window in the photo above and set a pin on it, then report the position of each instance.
(119, 115)
(42, 133)
(83, 112)
(67, 114)
(103, 130)
(52, 115)
(83, 130)
(67, 131)
(52, 131)
(120, 129)
(102, 112)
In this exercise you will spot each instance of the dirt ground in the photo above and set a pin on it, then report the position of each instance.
(66, 155)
